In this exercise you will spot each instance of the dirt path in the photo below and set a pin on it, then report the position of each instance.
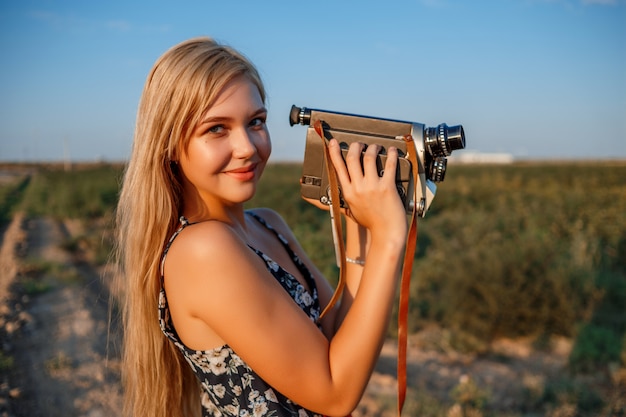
(62, 363)
(510, 378)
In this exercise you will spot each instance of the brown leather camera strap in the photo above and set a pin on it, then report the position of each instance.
(335, 214)
(407, 266)
(405, 283)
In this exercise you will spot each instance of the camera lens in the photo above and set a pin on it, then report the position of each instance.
(442, 140)
(437, 169)
(456, 138)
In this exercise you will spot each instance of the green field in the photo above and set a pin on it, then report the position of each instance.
(530, 250)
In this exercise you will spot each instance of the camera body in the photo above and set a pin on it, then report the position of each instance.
(430, 145)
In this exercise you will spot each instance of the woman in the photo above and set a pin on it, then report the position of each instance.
(238, 301)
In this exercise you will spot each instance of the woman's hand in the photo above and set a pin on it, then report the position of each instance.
(373, 200)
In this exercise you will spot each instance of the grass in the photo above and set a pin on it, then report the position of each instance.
(7, 362)
(58, 362)
(11, 193)
(85, 193)
(38, 276)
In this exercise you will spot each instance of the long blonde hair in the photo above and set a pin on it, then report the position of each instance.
(182, 85)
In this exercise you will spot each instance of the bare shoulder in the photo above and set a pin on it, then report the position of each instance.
(206, 232)
(274, 219)
(205, 269)
(200, 245)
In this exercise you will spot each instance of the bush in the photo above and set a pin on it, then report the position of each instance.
(10, 196)
(595, 346)
(515, 250)
(84, 193)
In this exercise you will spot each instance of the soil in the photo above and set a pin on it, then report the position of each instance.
(59, 355)
(64, 359)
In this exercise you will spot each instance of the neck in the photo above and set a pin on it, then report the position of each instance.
(198, 208)
(196, 211)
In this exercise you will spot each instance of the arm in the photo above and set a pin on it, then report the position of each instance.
(357, 242)
(376, 225)
(357, 245)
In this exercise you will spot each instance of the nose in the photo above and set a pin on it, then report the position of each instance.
(243, 144)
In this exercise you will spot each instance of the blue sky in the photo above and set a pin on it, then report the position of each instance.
(533, 78)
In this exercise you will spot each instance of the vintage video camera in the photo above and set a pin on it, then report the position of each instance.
(431, 144)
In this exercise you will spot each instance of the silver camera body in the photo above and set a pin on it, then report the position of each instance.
(430, 145)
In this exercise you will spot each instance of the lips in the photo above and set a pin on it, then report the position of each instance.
(245, 173)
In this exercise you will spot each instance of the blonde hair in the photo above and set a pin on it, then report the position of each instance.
(182, 85)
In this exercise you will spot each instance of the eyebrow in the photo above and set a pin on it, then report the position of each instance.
(217, 119)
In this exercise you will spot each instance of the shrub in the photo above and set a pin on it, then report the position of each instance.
(86, 193)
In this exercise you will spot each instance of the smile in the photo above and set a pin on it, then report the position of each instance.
(246, 173)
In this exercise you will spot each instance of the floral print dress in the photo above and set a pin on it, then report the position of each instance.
(229, 386)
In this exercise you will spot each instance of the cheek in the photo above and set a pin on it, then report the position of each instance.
(201, 159)
(264, 146)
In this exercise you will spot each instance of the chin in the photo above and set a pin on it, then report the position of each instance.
(244, 197)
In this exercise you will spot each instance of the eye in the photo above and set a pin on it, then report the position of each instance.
(257, 122)
(217, 129)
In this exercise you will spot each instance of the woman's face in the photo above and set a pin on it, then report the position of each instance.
(229, 148)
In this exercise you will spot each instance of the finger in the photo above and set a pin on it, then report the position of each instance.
(391, 164)
(339, 164)
(316, 202)
(353, 160)
(370, 157)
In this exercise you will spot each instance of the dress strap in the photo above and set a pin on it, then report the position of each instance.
(183, 223)
(306, 273)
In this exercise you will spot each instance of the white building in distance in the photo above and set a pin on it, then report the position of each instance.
(481, 158)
